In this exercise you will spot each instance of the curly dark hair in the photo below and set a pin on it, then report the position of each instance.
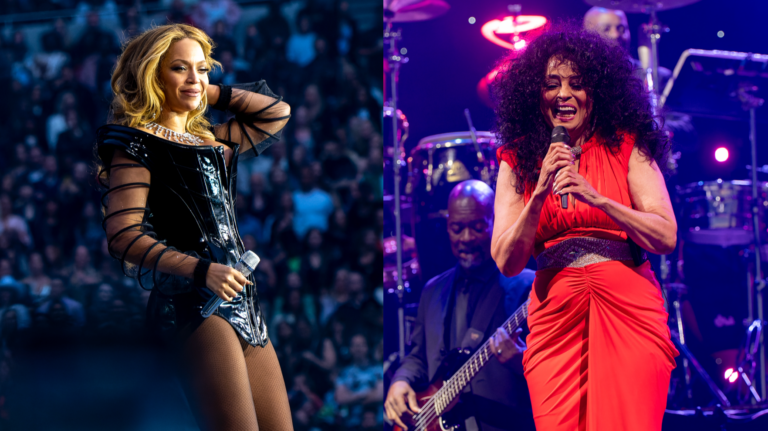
(620, 104)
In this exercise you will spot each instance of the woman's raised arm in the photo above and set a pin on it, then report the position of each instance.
(260, 115)
(514, 228)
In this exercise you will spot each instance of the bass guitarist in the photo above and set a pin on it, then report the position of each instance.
(460, 309)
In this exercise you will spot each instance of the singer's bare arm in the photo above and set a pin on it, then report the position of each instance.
(652, 225)
(514, 227)
(125, 212)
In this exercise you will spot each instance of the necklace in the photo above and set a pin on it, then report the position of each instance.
(184, 138)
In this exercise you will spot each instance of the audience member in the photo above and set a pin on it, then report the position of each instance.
(73, 310)
(360, 384)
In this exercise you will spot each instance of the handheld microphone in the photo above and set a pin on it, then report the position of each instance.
(560, 134)
(248, 262)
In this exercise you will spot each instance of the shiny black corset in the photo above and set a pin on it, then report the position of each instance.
(190, 209)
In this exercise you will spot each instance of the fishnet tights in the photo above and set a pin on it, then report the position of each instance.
(231, 385)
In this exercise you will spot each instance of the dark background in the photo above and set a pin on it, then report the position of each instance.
(448, 56)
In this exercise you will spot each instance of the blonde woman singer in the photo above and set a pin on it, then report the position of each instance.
(169, 218)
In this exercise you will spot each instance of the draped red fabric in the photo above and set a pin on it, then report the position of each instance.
(599, 353)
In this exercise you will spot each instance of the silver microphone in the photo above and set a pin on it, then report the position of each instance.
(248, 262)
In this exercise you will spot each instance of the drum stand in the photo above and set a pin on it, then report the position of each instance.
(687, 357)
(751, 102)
(393, 60)
(754, 334)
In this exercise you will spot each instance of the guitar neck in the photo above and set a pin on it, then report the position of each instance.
(456, 384)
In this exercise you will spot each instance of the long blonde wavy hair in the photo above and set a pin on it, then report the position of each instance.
(136, 86)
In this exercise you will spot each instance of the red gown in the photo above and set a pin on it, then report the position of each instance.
(599, 353)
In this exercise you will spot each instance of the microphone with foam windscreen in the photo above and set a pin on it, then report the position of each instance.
(248, 262)
(560, 134)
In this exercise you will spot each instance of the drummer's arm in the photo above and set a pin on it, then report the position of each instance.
(514, 226)
(652, 226)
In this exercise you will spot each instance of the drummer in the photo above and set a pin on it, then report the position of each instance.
(613, 26)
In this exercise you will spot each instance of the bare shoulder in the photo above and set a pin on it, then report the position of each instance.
(639, 160)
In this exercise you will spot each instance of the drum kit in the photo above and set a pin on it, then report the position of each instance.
(726, 214)
(416, 206)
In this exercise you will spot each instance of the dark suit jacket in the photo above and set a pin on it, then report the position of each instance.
(499, 394)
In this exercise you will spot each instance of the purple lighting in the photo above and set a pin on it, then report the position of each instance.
(721, 154)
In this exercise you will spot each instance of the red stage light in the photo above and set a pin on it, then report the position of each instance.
(483, 87)
(514, 26)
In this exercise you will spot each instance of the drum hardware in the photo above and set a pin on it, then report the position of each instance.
(403, 129)
(689, 361)
(435, 165)
(746, 369)
(762, 169)
(439, 162)
(484, 175)
(654, 27)
(394, 59)
(731, 70)
(720, 212)
(411, 269)
(401, 11)
(751, 102)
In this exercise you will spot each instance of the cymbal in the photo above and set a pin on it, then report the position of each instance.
(640, 6)
(413, 10)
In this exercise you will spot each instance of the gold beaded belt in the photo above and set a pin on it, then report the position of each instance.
(580, 252)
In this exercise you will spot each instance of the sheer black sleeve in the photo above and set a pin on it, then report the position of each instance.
(260, 116)
(125, 173)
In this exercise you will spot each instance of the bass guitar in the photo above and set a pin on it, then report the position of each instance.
(442, 395)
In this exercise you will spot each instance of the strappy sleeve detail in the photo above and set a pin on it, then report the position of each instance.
(260, 116)
(125, 173)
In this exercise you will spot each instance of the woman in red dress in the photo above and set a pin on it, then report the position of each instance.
(599, 353)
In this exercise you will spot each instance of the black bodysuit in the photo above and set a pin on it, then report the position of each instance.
(229, 371)
(190, 209)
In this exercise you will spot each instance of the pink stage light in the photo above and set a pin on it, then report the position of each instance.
(511, 26)
(728, 372)
(721, 154)
(731, 375)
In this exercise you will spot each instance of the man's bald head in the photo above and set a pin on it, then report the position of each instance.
(472, 190)
(470, 222)
(611, 24)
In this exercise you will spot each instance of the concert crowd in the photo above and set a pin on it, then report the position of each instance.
(310, 206)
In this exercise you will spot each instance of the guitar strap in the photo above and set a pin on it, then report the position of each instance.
(491, 297)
